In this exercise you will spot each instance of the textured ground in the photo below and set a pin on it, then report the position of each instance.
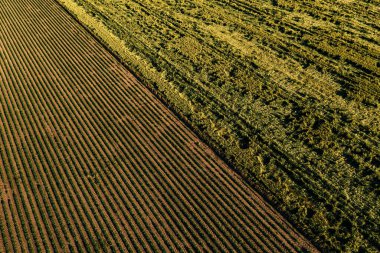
(91, 161)
(287, 91)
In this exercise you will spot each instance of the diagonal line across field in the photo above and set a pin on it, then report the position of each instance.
(91, 161)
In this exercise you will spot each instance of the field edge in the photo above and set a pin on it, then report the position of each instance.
(183, 108)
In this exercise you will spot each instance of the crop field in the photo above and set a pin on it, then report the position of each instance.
(287, 91)
(92, 161)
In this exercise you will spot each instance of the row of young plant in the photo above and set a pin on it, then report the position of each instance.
(21, 162)
(35, 140)
(55, 166)
(86, 152)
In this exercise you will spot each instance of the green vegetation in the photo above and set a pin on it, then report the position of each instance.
(287, 91)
